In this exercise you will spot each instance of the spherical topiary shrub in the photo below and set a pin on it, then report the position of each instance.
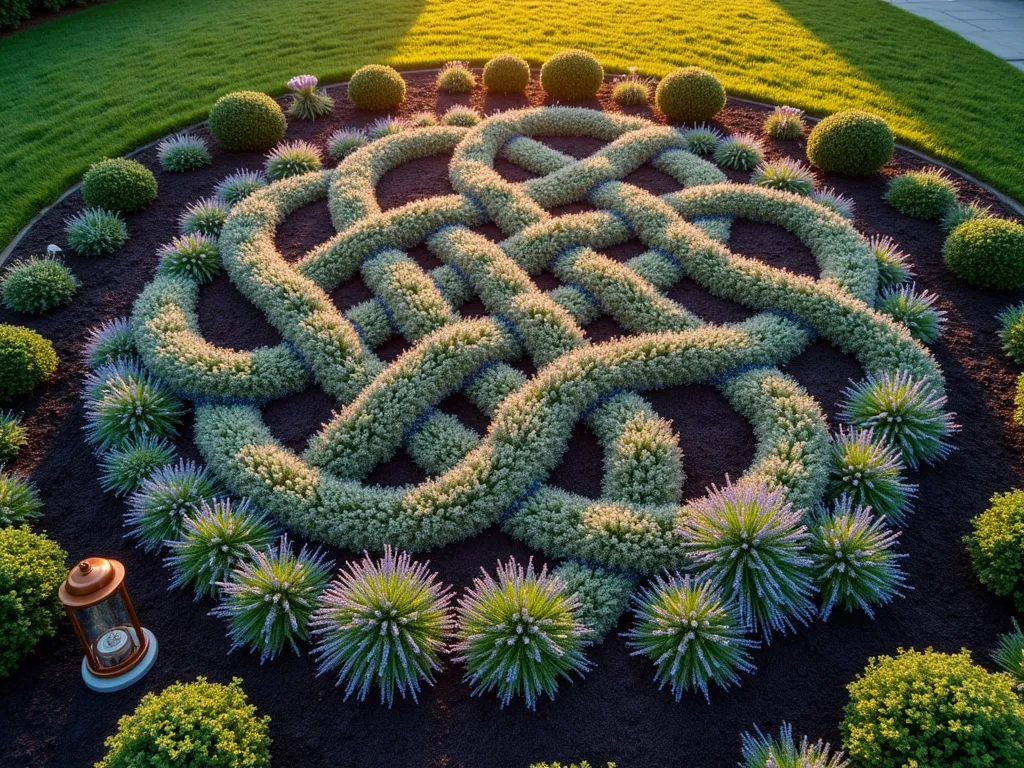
(247, 120)
(689, 94)
(119, 184)
(932, 709)
(922, 194)
(31, 572)
(506, 73)
(987, 253)
(200, 724)
(996, 545)
(26, 360)
(572, 75)
(376, 88)
(851, 143)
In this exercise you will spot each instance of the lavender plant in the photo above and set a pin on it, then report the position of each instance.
(915, 309)
(751, 544)
(237, 186)
(1009, 655)
(109, 341)
(456, 77)
(292, 158)
(95, 231)
(836, 202)
(345, 141)
(761, 751)
(740, 152)
(785, 123)
(690, 633)
(383, 127)
(203, 217)
(702, 139)
(126, 465)
(518, 634)
(307, 102)
(870, 473)
(785, 174)
(158, 509)
(124, 402)
(194, 256)
(383, 623)
(183, 152)
(19, 501)
(893, 264)
(12, 436)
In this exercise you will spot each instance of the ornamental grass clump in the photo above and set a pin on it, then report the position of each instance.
(506, 73)
(26, 360)
(383, 623)
(248, 121)
(194, 256)
(203, 217)
(344, 141)
(987, 253)
(915, 309)
(124, 402)
(689, 95)
(960, 212)
(124, 467)
(691, 634)
(761, 751)
(632, 90)
(423, 120)
(853, 561)
(740, 152)
(702, 139)
(237, 186)
(925, 194)
(456, 77)
(786, 175)
(119, 184)
(377, 88)
(904, 411)
(752, 546)
(109, 341)
(1011, 332)
(307, 102)
(292, 158)
(518, 634)
(835, 201)
(870, 473)
(383, 127)
(95, 231)
(572, 75)
(12, 436)
(932, 709)
(1009, 655)
(270, 597)
(214, 541)
(851, 143)
(785, 123)
(19, 501)
(464, 117)
(183, 152)
(158, 509)
(996, 546)
(38, 284)
(199, 724)
(893, 264)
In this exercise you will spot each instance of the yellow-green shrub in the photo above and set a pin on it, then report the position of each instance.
(377, 88)
(689, 95)
(572, 75)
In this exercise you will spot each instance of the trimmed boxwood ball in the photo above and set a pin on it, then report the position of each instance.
(932, 709)
(922, 194)
(247, 120)
(996, 546)
(26, 360)
(987, 253)
(689, 94)
(200, 724)
(31, 571)
(851, 143)
(506, 73)
(119, 184)
(572, 75)
(377, 88)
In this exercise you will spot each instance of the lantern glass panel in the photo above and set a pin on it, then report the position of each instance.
(108, 631)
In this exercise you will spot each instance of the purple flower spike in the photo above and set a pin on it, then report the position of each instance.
(303, 83)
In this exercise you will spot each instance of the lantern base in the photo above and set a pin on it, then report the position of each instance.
(132, 676)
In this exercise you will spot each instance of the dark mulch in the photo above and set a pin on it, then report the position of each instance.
(48, 718)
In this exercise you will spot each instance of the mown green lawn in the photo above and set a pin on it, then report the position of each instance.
(107, 79)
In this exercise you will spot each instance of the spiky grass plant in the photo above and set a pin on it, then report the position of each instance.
(292, 158)
(183, 152)
(761, 751)
(95, 231)
(927, 194)
(870, 473)
(518, 634)
(904, 411)
(19, 501)
(344, 141)
(702, 139)
(124, 402)
(109, 341)
(853, 558)
(836, 202)
(383, 127)
(213, 541)
(307, 102)
(691, 634)
(270, 597)
(785, 123)
(632, 90)
(893, 264)
(423, 120)
(203, 217)
(237, 186)
(960, 212)
(12, 436)
(915, 309)
(459, 115)
(1011, 332)
(124, 467)
(751, 544)
(1009, 654)
(158, 509)
(383, 623)
(194, 256)
(456, 77)
(784, 174)
(37, 284)
(740, 152)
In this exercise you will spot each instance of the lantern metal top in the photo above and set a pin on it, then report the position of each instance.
(91, 581)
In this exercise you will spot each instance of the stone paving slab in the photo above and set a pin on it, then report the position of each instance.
(995, 25)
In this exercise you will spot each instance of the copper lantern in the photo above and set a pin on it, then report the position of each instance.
(118, 650)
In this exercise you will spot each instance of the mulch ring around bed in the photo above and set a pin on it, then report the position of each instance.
(49, 718)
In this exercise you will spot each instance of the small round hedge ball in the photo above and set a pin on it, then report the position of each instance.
(247, 121)
(689, 95)
(572, 75)
(506, 73)
(851, 143)
(119, 184)
(376, 88)
(987, 253)
(26, 360)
